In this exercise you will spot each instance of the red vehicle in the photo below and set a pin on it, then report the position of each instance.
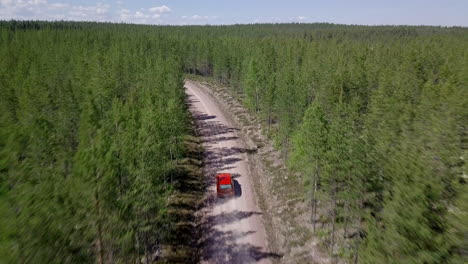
(224, 185)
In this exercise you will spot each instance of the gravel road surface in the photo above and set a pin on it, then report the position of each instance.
(232, 228)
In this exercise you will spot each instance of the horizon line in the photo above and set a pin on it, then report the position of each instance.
(236, 24)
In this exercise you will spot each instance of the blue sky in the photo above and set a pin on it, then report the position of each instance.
(181, 12)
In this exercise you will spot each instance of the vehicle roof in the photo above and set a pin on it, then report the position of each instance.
(224, 178)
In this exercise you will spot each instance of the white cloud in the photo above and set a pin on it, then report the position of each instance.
(21, 3)
(198, 17)
(21, 9)
(6, 2)
(143, 16)
(139, 14)
(198, 20)
(160, 9)
(37, 2)
(97, 9)
(43, 10)
(58, 6)
(98, 12)
(63, 10)
(300, 19)
(77, 14)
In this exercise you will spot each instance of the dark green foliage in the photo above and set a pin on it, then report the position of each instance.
(92, 122)
(382, 143)
(92, 116)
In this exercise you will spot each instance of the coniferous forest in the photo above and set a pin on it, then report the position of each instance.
(93, 117)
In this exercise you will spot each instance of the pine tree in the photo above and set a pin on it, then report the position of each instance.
(310, 143)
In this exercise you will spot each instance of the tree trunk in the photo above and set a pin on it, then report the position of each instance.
(137, 243)
(356, 248)
(286, 148)
(345, 232)
(332, 239)
(315, 214)
(147, 256)
(269, 121)
(358, 237)
(256, 101)
(172, 159)
(314, 199)
(99, 244)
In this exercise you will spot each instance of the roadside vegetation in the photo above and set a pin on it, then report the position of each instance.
(373, 118)
(95, 134)
(95, 149)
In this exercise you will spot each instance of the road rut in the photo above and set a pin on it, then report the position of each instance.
(232, 229)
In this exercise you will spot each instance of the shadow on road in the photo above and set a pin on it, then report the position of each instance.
(217, 245)
(237, 189)
(220, 247)
(201, 116)
(227, 218)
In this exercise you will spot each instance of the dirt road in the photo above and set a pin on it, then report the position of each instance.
(232, 229)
